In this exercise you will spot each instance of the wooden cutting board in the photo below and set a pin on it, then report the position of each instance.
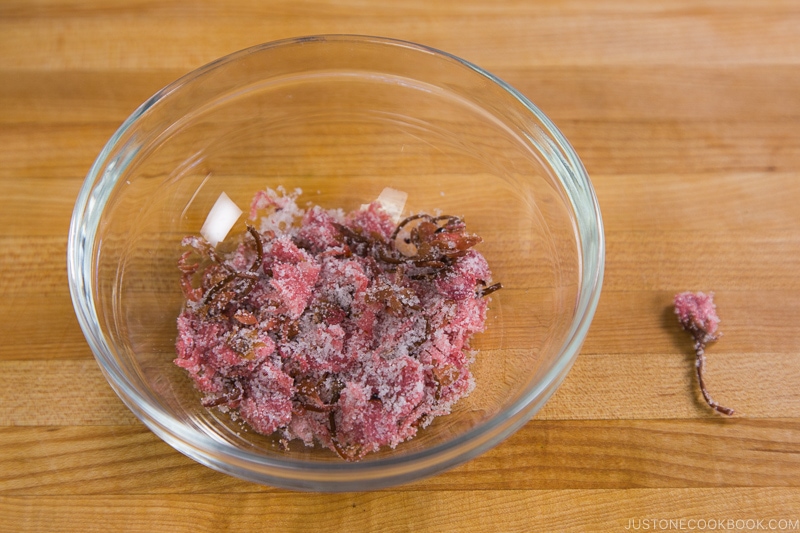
(687, 116)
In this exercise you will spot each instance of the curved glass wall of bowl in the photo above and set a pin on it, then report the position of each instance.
(342, 118)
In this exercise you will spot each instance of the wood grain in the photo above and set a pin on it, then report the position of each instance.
(603, 386)
(618, 454)
(69, 36)
(468, 511)
(685, 113)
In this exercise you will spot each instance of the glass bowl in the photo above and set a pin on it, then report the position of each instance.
(340, 117)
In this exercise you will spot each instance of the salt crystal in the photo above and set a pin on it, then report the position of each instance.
(220, 219)
(392, 201)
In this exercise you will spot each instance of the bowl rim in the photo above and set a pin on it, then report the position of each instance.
(337, 476)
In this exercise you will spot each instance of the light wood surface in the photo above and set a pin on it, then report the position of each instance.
(686, 114)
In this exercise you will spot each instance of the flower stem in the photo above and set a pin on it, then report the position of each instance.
(700, 364)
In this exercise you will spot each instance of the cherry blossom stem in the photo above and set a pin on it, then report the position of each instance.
(700, 364)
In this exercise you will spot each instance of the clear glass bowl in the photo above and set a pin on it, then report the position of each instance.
(340, 117)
